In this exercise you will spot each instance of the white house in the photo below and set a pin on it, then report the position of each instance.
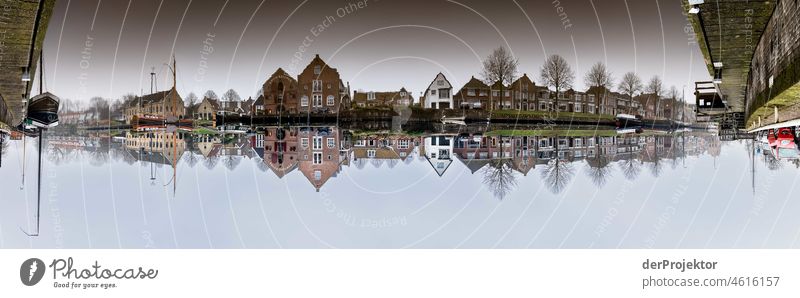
(439, 152)
(439, 94)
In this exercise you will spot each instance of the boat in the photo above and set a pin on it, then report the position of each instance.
(628, 121)
(43, 111)
(454, 120)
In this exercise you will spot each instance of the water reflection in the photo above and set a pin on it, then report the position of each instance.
(320, 153)
(511, 187)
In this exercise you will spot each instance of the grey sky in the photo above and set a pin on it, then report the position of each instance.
(101, 48)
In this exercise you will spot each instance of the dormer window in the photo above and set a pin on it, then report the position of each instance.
(371, 96)
(317, 69)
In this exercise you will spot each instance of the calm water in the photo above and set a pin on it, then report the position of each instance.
(316, 187)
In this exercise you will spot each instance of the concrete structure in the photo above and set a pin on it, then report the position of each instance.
(728, 32)
(24, 24)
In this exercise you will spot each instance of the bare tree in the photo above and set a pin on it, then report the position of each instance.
(211, 94)
(500, 66)
(557, 73)
(599, 76)
(630, 85)
(231, 95)
(191, 102)
(499, 177)
(655, 86)
(673, 94)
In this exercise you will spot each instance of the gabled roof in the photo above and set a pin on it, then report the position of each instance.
(475, 84)
(497, 85)
(437, 78)
(474, 164)
(281, 73)
(214, 103)
(150, 98)
(440, 171)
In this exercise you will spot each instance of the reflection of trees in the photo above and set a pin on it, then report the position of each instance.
(598, 170)
(231, 162)
(499, 177)
(557, 174)
(191, 159)
(630, 168)
(656, 167)
(55, 155)
(210, 162)
(392, 163)
(98, 157)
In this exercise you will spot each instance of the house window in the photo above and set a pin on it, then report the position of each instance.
(317, 175)
(483, 93)
(403, 144)
(331, 142)
(495, 93)
(317, 158)
(316, 86)
(433, 92)
(317, 143)
(542, 107)
(578, 108)
(370, 153)
(471, 92)
(330, 100)
(444, 93)
(440, 83)
(304, 101)
(317, 69)
(371, 96)
(317, 100)
(304, 142)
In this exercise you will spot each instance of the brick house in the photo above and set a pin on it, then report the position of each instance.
(473, 95)
(523, 93)
(160, 104)
(605, 103)
(280, 95)
(321, 89)
(280, 149)
(500, 101)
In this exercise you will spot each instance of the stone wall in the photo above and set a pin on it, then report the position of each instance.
(776, 62)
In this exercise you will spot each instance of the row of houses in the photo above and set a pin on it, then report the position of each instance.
(319, 88)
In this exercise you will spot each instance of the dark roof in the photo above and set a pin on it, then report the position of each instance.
(475, 83)
(149, 98)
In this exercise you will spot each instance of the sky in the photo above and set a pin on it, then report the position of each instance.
(108, 48)
(95, 201)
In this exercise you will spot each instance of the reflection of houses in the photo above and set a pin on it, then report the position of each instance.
(438, 150)
(439, 94)
(207, 144)
(279, 149)
(159, 104)
(320, 154)
(159, 147)
(280, 95)
(382, 99)
(321, 88)
(382, 150)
